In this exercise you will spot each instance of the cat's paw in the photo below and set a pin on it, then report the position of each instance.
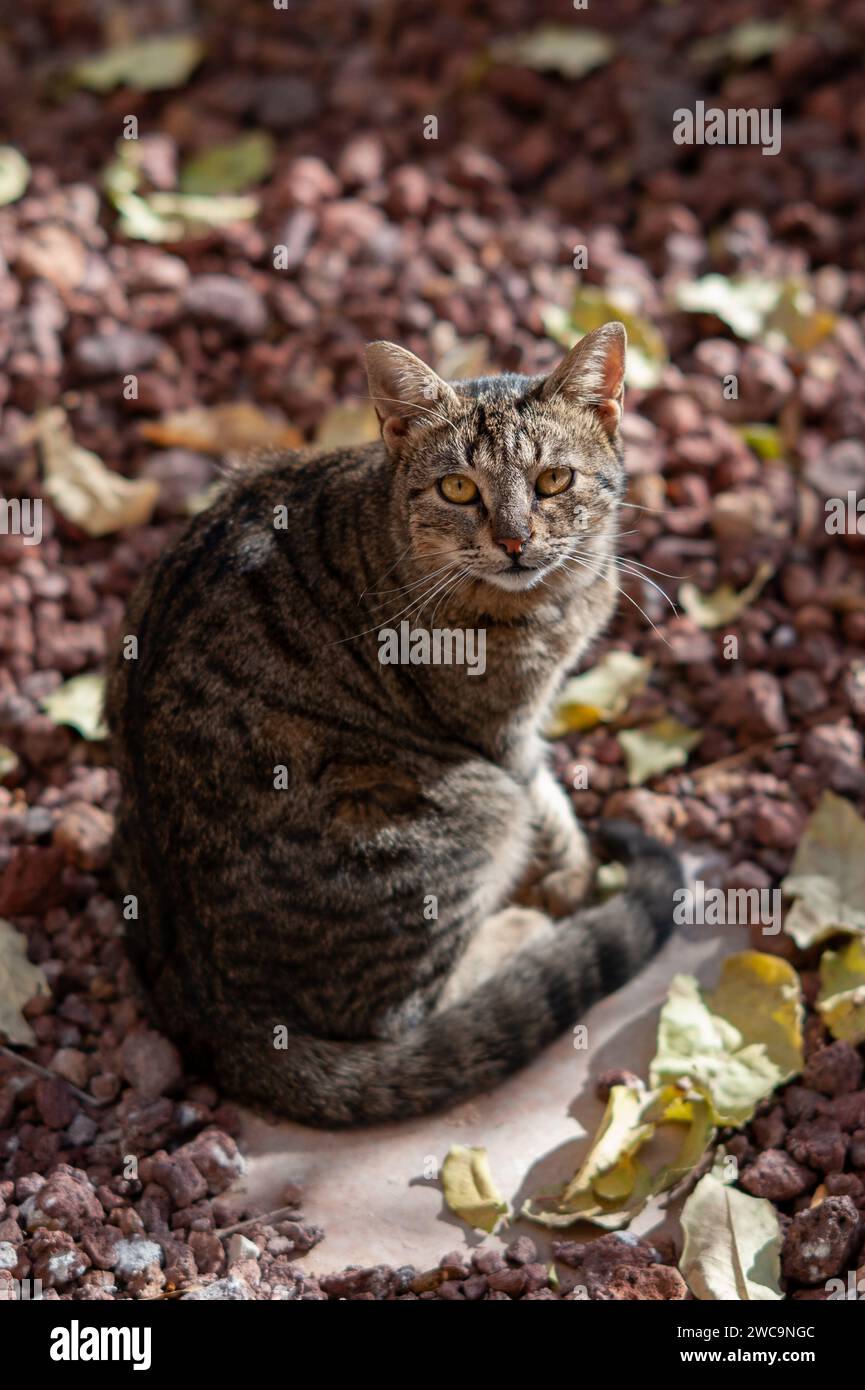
(560, 891)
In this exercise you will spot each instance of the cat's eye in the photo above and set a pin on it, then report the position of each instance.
(456, 487)
(553, 481)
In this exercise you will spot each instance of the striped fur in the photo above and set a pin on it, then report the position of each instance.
(360, 914)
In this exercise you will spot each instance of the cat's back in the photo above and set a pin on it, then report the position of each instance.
(244, 617)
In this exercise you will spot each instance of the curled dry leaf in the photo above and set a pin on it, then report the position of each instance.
(79, 703)
(20, 981)
(599, 695)
(657, 748)
(725, 604)
(85, 492)
(737, 1044)
(827, 877)
(732, 1247)
(613, 1183)
(152, 64)
(469, 1189)
(841, 1001)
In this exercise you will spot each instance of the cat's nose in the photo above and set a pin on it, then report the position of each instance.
(511, 544)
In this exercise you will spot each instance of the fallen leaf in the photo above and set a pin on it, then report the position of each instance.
(776, 312)
(9, 762)
(742, 304)
(764, 440)
(569, 51)
(590, 308)
(600, 694)
(738, 1044)
(14, 174)
(725, 604)
(83, 490)
(348, 424)
(162, 216)
(146, 65)
(230, 168)
(657, 748)
(745, 43)
(613, 1185)
(841, 1001)
(827, 877)
(732, 1248)
(761, 996)
(171, 217)
(223, 429)
(796, 319)
(20, 981)
(78, 703)
(469, 1188)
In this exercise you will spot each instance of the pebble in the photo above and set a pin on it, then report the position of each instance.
(820, 1240)
(150, 1063)
(231, 303)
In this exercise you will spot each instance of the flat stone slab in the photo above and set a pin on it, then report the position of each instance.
(375, 1191)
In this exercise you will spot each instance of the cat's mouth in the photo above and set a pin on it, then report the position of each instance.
(518, 575)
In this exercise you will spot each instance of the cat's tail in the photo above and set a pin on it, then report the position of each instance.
(471, 1046)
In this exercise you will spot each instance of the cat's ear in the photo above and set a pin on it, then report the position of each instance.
(593, 374)
(404, 390)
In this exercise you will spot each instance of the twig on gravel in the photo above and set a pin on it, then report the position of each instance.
(266, 1219)
(736, 759)
(52, 1076)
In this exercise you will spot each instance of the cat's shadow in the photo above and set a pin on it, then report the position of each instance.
(630, 1048)
(551, 1172)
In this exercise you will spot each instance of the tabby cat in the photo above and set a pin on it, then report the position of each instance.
(357, 881)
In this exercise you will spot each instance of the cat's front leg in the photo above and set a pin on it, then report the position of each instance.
(561, 870)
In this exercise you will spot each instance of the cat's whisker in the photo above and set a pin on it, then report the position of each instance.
(449, 593)
(430, 595)
(665, 574)
(406, 588)
(385, 622)
(413, 405)
(656, 511)
(459, 551)
(599, 575)
(626, 568)
(390, 567)
(635, 574)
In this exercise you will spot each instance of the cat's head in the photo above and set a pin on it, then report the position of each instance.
(511, 475)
